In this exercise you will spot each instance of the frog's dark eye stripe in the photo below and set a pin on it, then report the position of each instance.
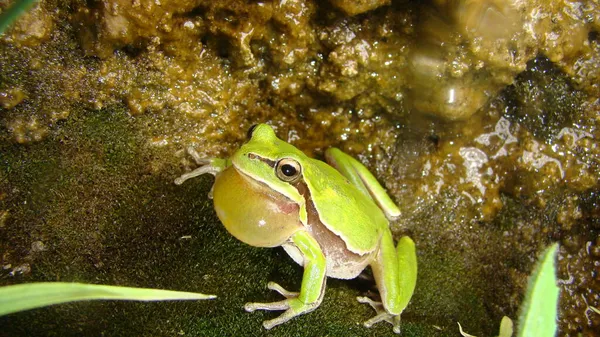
(264, 160)
(250, 131)
(288, 170)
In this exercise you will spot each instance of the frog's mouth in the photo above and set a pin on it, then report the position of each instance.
(285, 204)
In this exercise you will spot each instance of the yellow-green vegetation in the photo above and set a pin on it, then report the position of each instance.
(480, 118)
(540, 307)
(28, 296)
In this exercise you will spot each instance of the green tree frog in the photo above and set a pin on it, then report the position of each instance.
(332, 220)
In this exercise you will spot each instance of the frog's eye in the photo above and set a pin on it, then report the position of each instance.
(288, 170)
(250, 131)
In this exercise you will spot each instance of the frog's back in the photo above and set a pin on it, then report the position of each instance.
(343, 209)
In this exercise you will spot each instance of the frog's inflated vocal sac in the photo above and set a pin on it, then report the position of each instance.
(333, 220)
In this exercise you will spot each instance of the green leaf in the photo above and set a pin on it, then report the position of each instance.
(506, 327)
(35, 295)
(540, 308)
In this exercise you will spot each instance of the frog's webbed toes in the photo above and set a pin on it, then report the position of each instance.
(292, 306)
(381, 314)
(207, 165)
(196, 156)
(195, 173)
(279, 305)
(377, 306)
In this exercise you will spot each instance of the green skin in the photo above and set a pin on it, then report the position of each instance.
(333, 220)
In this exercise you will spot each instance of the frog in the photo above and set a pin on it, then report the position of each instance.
(332, 218)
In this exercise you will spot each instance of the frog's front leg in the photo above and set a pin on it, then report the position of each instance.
(207, 165)
(311, 291)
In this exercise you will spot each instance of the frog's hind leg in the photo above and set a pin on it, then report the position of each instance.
(395, 272)
(362, 179)
(381, 314)
(407, 264)
(386, 273)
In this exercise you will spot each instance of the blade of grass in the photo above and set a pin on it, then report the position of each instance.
(35, 295)
(539, 310)
(13, 12)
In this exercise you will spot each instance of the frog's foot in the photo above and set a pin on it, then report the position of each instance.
(206, 165)
(381, 314)
(197, 172)
(197, 158)
(292, 306)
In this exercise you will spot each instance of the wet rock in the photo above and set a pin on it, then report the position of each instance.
(468, 52)
(353, 7)
(543, 100)
(114, 24)
(32, 29)
(10, 97)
